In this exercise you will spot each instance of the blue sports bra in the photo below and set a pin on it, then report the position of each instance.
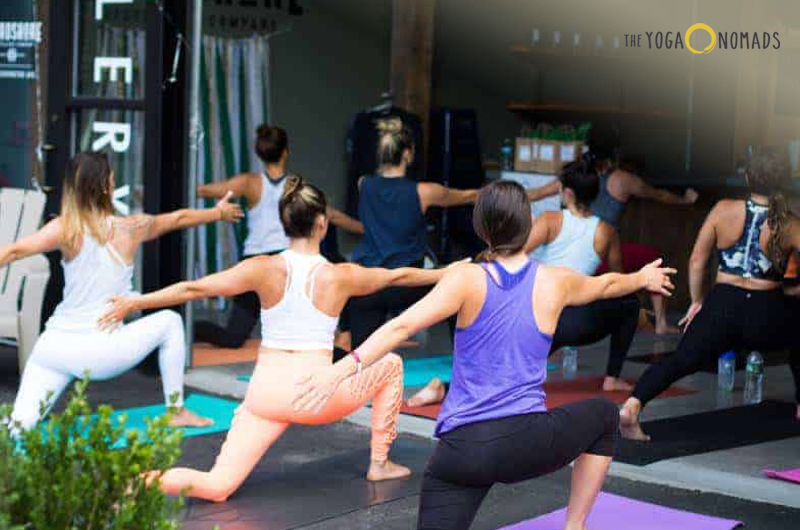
(745, 258)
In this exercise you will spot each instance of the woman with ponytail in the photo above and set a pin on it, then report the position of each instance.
(98, 250)
(262, 190)
(300, 296)
(494, 425)
(747, 307)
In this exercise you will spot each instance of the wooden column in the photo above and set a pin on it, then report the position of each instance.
(412, 57)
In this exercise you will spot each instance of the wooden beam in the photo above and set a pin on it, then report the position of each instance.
(412, 57)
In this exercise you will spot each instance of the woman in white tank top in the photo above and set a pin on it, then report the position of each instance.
(301, 296)
(265, 234)
(98, 250)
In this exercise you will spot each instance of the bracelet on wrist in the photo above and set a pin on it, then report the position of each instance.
(354, 355)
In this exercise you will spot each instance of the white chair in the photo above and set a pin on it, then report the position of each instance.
(23, 283)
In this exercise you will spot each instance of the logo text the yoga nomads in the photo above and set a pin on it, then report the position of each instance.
(724, 40)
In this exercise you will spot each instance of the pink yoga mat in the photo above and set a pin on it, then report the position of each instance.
(618, 513)
(793, 475)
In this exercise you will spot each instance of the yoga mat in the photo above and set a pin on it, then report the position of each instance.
(218, 409)
(208, 355)
(792, 475)
(711, 431)
(770, 359)
(560, 393)
(611, 512)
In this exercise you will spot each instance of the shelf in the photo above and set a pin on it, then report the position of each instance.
(630, 60)
(634, 110)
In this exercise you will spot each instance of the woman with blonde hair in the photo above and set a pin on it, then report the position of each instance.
(301, 296)
(98, 250)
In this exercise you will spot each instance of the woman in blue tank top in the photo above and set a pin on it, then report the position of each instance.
(494, 426)
(392, 208)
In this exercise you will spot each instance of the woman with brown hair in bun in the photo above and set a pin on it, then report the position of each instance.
(262, 190)
(300, 296)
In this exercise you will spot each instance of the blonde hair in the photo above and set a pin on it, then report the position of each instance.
(86, 199)
(300, 205)
(394, 139)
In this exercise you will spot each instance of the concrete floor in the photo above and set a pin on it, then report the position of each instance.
(726, 483)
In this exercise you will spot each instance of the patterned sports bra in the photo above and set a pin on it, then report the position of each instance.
(745, 258)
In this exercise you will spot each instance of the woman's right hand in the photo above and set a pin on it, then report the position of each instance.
(690, 314)
(229, 211)
(657, 278)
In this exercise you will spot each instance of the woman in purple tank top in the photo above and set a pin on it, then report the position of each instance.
(494, 425)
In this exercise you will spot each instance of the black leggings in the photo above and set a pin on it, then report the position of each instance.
(242, 319)
(470, 459)
(731, 318)
(590, 323)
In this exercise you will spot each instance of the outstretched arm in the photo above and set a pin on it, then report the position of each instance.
(701, 254)
(344, 221)
(361, 281)
(443, 301)
(47, 239)
(237, 186)
(641, 189)
(244, 277)
(549, 190)
(162, 224)
(437, 195)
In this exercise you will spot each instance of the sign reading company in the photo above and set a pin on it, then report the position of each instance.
(113, 134)
(18, 41)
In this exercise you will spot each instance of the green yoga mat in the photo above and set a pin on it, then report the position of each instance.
(418, 372)
(218, 409)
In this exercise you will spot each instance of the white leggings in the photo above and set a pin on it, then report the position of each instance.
(59, 356)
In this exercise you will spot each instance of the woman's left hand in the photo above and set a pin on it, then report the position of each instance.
(314, 391)
(121, 307)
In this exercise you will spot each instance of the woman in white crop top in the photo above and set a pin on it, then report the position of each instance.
(98, 250)
(301, 297)
(262, 190)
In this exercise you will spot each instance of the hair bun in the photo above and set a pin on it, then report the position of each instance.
(263, 130)
(293, 185)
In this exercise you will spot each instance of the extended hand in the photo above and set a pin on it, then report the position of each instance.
(691, 196)
(229, 211)
(657, 278)
(121, 307)
(690, 314)
(315, 390)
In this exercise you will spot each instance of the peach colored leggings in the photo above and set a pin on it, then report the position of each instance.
(267, 411)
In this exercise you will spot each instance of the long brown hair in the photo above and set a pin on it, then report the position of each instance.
(768, 174)
(300, 205)
(86, 199)
(502, 219)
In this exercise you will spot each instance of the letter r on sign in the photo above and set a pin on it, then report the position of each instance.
(117, 135)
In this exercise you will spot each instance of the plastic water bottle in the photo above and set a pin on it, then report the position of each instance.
(754, 379)
(569, 362)
(507, 156)
(726, 371)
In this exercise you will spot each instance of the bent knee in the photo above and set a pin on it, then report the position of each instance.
(609, 412)
(395, 362)
(171, 318)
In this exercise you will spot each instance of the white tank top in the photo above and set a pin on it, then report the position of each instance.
(264, 229)
(91, 278)
(573, 247)
(294, 324)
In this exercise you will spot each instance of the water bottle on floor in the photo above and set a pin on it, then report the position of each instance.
(754, 379)
(569, 362)
(726, 371)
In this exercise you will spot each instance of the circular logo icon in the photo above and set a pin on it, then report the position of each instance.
(706, 28)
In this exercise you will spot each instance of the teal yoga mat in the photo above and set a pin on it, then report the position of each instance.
(418, 372)
(218, 409)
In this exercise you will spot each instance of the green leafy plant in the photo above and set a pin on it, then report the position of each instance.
(67, 475)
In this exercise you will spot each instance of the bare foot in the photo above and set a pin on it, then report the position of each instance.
(432, 393)
(663, 328)
(386, 470)
(615, 384)
(186, 418)
(629, 421)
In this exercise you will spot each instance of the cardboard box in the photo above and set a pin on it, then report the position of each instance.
(570, 152)
(524, 155)
(549, 159)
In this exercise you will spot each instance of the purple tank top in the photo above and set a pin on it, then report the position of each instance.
(500, 361)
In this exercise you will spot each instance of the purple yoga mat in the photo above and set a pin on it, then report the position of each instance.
(618, 513)
(793, 475)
